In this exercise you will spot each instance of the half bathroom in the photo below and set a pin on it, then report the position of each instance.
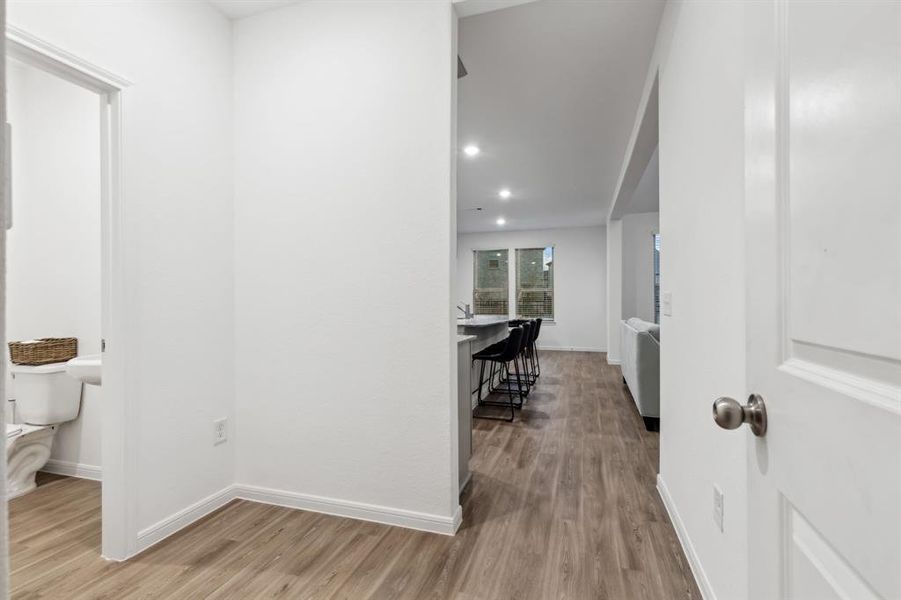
(53, 277)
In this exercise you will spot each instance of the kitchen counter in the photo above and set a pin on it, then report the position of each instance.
(465, 338)
(480, 321)
(483, 330)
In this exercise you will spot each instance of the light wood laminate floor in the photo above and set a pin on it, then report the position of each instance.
(562, 505)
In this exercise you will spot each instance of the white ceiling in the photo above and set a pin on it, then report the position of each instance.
(237, 9)
(550, 98)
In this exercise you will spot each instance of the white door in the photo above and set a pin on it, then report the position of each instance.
(823, 259)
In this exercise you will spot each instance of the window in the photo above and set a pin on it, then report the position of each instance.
(535, 283)
(490, 289)
(656, 239)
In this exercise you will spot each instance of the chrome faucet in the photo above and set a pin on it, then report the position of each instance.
(466, 310)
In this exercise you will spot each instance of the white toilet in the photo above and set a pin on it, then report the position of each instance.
(45, 397)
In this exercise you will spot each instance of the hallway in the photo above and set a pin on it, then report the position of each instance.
(562, 505)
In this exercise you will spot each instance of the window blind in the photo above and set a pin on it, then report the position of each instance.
(535, 283)
(490, 289)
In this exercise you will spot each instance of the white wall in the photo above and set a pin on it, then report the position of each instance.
(614, 288)
(702, 258)
(343, 267)
(638, 265)
(580, 265)
(53, 251)
(178, 230)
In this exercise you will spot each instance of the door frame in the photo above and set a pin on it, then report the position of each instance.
(118, 451)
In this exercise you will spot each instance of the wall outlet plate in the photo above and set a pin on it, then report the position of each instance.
(718, 506)
(220, 431)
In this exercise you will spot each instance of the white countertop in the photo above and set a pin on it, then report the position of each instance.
(483, 321)
(466, 338)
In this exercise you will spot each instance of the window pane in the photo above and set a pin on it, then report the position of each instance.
(490, 290)
(535, 283)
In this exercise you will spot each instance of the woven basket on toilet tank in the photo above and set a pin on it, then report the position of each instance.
(43, 351)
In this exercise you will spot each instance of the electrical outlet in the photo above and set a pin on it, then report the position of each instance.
(220, 431)
(718, 506)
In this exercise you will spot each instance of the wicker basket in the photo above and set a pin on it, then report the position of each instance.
(43, 351)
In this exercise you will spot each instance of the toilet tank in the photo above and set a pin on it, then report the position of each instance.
(44, 394)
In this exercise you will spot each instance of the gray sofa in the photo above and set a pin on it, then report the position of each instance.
(641, 368)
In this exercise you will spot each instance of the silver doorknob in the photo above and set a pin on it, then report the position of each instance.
(729, 414)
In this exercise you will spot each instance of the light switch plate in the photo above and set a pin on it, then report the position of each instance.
(666, 302)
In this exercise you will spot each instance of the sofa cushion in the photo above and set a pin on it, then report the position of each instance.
(636, 323)
(641, 326)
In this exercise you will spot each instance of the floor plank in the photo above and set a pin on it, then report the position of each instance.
(562, 504)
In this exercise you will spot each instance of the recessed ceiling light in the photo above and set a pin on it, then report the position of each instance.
(471, 150)
(505, 193)
(501, 221)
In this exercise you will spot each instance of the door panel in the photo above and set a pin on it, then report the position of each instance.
(843, 141)
(815, 569)
(823, 264)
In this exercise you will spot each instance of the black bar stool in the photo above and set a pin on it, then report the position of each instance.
(529, 354)
(535, 365)
(533, 350)
(521, 377)
(499, 358)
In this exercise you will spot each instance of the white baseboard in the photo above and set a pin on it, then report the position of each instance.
(458, 520)
(693, 561)
(570, 349)
(71, 469)
(614, 361)
(353, 510)
(341, 508)
(174, 523)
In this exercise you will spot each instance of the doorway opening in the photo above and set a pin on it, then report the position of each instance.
(635, 215)
(65, 217)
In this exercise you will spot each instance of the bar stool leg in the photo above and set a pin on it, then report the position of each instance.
(510, 397)
(499, 370)
(534, 371)
(525, 374)
(481, 377)
(522, 397)
(491, 386)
